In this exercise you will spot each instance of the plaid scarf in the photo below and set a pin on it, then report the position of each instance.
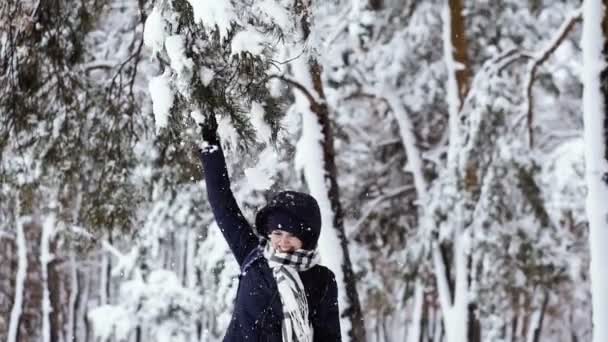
(285, 267)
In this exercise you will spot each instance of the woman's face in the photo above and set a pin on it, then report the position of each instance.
(284, 242)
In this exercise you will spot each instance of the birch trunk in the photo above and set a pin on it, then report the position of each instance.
(190, 276)
(71, 334)
(106, 270)
(45, 258)
(15, 319)
(414, 331)
(595, 97)
(82, 307)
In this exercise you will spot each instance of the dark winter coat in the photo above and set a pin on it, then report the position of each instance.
(258, 312)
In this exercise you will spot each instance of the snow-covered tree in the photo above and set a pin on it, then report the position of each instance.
(64, 155)
(217, 63)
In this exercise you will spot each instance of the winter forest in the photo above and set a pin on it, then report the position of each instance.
(456, 148)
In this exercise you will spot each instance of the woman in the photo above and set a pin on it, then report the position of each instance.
(283, 293)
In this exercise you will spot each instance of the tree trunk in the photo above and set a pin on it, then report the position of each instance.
(46, 258)
(8, 271)
(82, 305)
(538, 326)
(19, 307)
(106, 274)
(71, 332)
(310, 70)
(322, 112)
(595, 106)
(452, 265)
(416, 325)
(14, 325)
(57, 297)
(460, 47)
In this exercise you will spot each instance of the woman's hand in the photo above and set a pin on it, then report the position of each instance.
(209, 129)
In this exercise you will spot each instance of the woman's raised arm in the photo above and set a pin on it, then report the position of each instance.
(235, 228)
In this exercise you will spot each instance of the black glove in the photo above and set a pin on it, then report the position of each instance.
(209, 130)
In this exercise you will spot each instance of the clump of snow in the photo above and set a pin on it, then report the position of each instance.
(227, 131)
(206, 75)
(261, 176)
(275, 87)
(198, 117)
(258, 179)
(162, 99)
(292, 120)
(181, 65)
(270, 11)
(160, 298)
(248, 40)
(154, 31)
(110, 321)
(175, 49)
(213, 13)
(263, 130)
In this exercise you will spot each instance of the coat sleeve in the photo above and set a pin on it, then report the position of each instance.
(327, 328)
(233, 225)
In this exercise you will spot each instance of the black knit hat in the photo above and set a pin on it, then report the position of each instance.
(295, 212)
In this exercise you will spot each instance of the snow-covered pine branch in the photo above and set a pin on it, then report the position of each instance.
(218, 63)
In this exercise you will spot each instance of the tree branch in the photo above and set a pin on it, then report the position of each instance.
(536, 60)
(298, 86)
(508, 57)
(376, 201)
(7, 235)
(542, 56)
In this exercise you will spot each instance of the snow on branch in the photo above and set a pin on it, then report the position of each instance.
(376, 201)
(299, 86)
(126, 262)
(406, 129)
(508, 57)
(558, 38)
(536, 59)
(540, 57)
(7, 235)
